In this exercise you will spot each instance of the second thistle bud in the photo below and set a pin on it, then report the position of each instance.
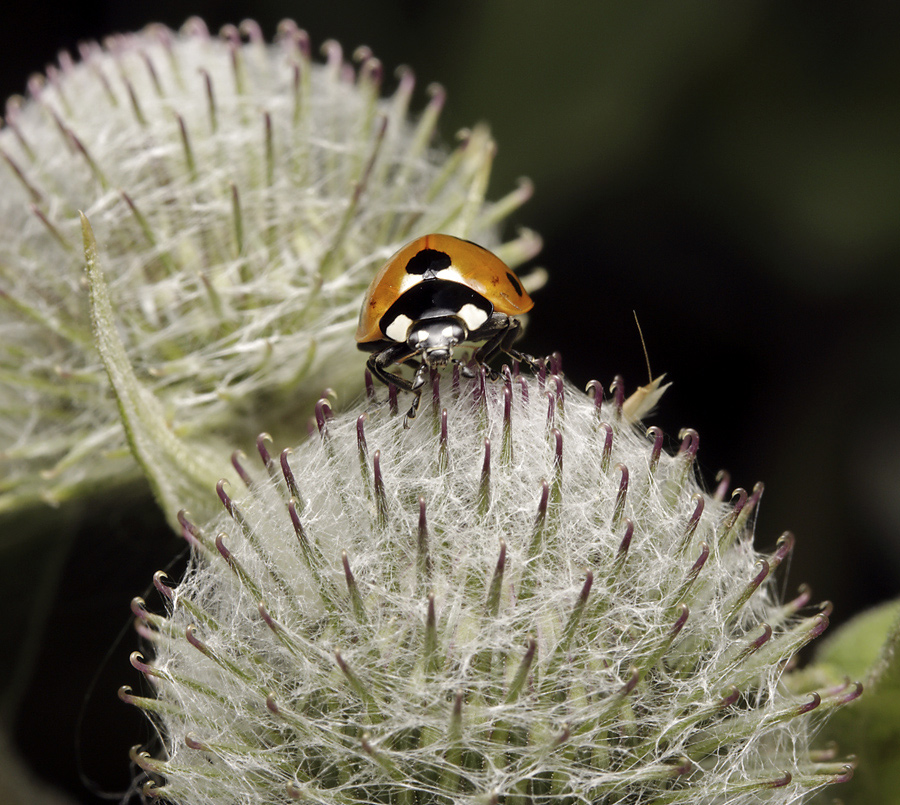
(242, 196)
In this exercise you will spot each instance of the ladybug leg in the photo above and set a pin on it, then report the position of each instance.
(499, 330)
(416, 389)
(379, 361)
(464, 370)
(510, 337)
(502, 332)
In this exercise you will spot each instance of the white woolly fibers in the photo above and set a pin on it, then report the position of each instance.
(392, 622)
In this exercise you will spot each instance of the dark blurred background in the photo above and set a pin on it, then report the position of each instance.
(730, 172)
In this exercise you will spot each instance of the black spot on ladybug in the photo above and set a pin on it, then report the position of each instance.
(514, 281)
(428, 260)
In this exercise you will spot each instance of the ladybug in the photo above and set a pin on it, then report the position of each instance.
(435, 293)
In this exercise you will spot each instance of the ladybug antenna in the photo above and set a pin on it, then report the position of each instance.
(644, 346)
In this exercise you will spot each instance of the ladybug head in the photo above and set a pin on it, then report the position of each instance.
(434, 339)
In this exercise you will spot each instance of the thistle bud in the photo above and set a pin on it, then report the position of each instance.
(242, 196)
(522, 598)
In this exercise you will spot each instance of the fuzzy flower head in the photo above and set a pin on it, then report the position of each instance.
(241, 197)
(520, 599)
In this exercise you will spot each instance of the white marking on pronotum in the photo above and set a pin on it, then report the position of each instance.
(399, 328)
(473, 316)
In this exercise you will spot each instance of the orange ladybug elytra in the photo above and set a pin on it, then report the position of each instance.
(432, 295)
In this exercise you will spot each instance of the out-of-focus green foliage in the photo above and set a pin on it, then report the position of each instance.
(867, 648)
